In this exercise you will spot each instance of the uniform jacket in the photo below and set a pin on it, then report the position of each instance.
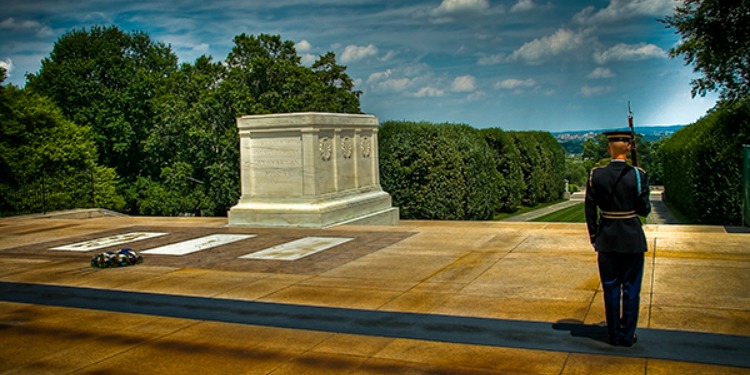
(613, 201)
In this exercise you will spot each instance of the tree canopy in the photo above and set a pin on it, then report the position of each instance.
(40, 147)
(169, 130)
(715, 39)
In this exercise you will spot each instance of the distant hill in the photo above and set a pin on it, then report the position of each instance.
(572, 140)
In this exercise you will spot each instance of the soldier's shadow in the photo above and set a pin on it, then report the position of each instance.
(597, 332)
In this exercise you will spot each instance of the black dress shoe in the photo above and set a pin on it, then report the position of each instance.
(630, 343)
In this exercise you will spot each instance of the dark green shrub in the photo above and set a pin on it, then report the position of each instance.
(702, 165)
(511, 182)
(442, 171)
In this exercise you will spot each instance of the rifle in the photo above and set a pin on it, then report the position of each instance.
(633, 149)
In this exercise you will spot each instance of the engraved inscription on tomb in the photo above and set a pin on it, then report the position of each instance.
(276, 163)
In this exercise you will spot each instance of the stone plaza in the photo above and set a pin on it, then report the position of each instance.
(424, 297)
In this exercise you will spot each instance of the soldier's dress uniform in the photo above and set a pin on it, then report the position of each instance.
(615, 195)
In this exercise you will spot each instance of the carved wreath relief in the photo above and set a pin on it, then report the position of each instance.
(365, 147)
(347, 147)
(326, 148)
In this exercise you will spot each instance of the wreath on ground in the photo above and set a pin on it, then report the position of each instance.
(122, 258)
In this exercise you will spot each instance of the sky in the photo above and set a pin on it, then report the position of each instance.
(550, 65)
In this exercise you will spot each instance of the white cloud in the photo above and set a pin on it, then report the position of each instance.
(429, 91)
(600, 72)
(630, 52)
(465, 83)
(522, 6)
(354, 53)
(477, 95)
(385, 82)
(451, 7)
(594, 90)
(308, 59)
(10, 23)
(618, 10)
(491, 59)
(202, 48)
(378, 76)
(388, 56)
(7, 64)
(303, 46)
(513, 84)
(539, 49)
(394, 84)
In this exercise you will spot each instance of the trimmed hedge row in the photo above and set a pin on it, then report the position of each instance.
(456, 172)
(703, 165)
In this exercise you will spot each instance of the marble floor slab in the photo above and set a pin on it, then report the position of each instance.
(298, 249)
(198, 244)
(109, 241)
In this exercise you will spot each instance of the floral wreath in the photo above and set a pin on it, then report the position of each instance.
(122, 258)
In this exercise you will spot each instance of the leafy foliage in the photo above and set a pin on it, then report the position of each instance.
(542, 162)
(106, 79)
(455, 172)
(170, 130)
(40, 148)
(511, 182)
(703, 165)
(715, 39)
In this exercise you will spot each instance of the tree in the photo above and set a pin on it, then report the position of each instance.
(702, 165)
(106, 79)
(40, 148)
(715, 39)
(265, 76)
(510, 184)
(542, 162)
(337, 93)
(193, 144)
(575, 172)
(438, 171)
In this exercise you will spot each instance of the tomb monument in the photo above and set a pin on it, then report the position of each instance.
(310, 170)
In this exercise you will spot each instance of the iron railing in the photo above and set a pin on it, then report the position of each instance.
(47, 191)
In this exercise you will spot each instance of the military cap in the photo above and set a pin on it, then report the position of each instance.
(618, 136)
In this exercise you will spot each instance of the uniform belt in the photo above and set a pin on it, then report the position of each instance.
(618, 214)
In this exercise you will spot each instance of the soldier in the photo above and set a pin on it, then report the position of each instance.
(621, 193)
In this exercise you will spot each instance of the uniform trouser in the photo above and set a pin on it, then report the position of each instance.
(621, 275)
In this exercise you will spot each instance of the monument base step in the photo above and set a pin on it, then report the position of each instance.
(386, 217)
(372, 208)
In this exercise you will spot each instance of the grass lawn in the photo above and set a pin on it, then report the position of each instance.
(572, 214)
(523, 210)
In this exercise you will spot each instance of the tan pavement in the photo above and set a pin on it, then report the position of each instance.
(425, 297)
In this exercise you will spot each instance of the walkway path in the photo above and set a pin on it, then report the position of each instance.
(660, 214)
(575, 199)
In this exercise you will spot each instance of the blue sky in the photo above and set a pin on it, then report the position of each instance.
(515, 64)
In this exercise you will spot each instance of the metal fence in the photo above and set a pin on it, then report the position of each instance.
(46, 192)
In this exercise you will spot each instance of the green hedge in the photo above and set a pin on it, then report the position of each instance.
(456, 172)
(703, 165)
(542, 163)
(507, 156)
